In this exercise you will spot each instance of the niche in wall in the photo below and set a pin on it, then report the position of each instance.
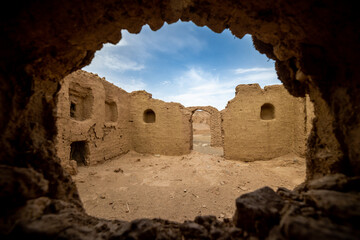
(79, 152)
(81, 102)
(149, 116)
(267, 111)
(111, 112)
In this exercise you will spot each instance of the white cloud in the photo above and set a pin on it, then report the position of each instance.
(123, 42)
(120, 63)
(197, 87)
(130, 85)
(108, 60)
(248, 70)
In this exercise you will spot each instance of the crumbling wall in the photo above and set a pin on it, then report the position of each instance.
(215, 124)
(263, 124)
(97, 121)
(100, 125)
(166, 131)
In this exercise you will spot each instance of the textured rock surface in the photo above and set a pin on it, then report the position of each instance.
(257, 212)
(314, 43)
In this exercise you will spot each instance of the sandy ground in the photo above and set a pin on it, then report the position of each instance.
(179, 187)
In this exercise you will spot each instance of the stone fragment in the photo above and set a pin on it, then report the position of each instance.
(119, 170)
(257, 212)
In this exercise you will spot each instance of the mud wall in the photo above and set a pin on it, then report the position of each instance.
(168, 134)
(215, 124)
(252, 133)
(104, 131)
(97, 121)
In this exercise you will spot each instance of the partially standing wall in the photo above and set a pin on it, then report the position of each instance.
(263, 123)
(159, 127)
(92, 120)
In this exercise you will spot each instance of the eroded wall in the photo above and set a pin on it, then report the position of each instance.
(97, 121)
(101, 124)
(249, 137)
(169, 134)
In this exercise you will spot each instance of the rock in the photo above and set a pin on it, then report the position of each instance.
(337, 205)
(338, 182)
(300, 227)
(257, 212)
(156, 155)
(29, 184)
(119, 170)
(243, 188)
(192, 230)
(287, 194)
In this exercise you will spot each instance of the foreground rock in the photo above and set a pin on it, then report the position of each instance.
(259, 211)
(325, 208)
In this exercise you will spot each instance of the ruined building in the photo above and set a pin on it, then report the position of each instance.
(315, 45)
(97, 121)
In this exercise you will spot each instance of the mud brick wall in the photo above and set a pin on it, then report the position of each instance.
(249, 137)
(104, 132)
(169, 134)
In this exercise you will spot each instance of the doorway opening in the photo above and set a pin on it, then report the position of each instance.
(202, 134)
(79, 152)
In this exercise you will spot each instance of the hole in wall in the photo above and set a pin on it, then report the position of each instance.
(79, 151)
(72, 109)
(267, 111)
(149, 116)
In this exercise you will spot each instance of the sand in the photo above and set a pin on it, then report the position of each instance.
(179, 187)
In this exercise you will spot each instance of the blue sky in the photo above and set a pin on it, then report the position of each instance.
(184, 63)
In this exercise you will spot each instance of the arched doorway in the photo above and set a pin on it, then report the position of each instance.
(206, 130)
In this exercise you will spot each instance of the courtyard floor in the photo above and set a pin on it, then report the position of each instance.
(179, 187)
